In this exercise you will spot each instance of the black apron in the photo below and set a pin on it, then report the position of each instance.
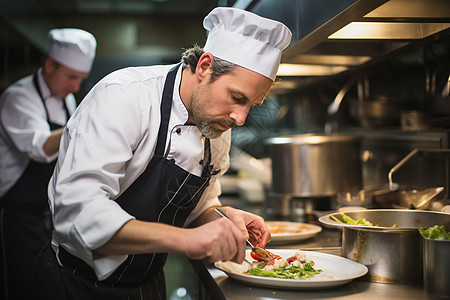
(26, 221)
(163, 193)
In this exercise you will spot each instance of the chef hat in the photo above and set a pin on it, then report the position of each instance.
(246, 39)
(73, 48)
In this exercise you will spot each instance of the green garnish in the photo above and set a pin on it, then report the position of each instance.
(351, 221)
(292, 272)
(435, 233)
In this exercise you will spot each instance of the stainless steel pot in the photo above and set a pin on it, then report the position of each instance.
(392, 254)
(436, 267)
(315, 165)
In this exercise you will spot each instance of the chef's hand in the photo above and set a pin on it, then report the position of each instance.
(216, 240)
(252, 226)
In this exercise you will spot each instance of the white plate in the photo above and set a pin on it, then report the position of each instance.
(283, 232)
(336, 270)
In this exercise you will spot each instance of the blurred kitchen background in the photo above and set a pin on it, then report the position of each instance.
(362, 85)
(359, 116)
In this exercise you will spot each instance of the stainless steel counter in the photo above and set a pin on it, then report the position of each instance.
(219, 286)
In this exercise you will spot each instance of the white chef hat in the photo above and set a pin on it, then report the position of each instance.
(73, 48)
(246, 39)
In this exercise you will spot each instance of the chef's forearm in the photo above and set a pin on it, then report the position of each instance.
(51, 146)
(209, 215)
(138, 237)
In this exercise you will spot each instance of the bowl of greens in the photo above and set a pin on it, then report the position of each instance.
(387, 241)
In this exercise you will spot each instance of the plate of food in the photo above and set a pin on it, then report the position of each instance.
(294, 269)
(283, 232)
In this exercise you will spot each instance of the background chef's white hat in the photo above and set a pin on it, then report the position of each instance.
(73, 48)
(246, 39)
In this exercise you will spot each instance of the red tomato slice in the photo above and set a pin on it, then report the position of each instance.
(291, 259)
(260, 257)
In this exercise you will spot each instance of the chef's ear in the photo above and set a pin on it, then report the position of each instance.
(204, 65)
(49, 64)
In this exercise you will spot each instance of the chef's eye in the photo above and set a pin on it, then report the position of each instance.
(238, 99)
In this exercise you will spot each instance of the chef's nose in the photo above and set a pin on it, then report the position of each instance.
(240, 114)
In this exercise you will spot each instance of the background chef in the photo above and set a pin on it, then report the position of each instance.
(33, 111)
(139, 161)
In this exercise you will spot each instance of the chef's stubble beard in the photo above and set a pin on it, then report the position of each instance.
(203, 120)
(202, 123)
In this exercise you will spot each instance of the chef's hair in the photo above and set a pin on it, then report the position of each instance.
(220, 67)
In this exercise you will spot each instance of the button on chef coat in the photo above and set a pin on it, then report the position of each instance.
(108, 143)
(24, 128)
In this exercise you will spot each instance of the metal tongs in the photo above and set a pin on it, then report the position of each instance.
(260, 252)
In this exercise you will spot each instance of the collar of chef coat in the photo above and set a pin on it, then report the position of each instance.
(179, 109)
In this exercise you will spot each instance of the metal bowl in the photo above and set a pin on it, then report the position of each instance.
(392, 254)
(436, 267)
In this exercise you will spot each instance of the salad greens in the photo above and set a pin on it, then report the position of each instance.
(435, 233)
(351, 221)
(291, 272)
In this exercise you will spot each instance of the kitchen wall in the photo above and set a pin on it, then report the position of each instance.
(409, 78)
(124, 37)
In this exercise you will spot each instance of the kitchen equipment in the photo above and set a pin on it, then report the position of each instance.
(381, 150)
(374, 113)
(308, 170)
(414, 120)
(250, 190)
(436, 266)
(315, 165)
(333, 108)
(412, 199)
(360, 199)
(392, 254)
(436, 152)
(258, 169)
(257, 250)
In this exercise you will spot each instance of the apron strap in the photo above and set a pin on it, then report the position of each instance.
(207, 167)
(166, 107)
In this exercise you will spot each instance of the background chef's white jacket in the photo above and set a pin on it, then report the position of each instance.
(24, 128)
(107, 144)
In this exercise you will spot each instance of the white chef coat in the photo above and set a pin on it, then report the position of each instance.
(24, 128)
(107, 144)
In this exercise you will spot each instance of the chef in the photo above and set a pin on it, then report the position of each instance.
(139, 161)
(33, 111)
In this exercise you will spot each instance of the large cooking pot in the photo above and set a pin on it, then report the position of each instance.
(392, 254)
(315, 165)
